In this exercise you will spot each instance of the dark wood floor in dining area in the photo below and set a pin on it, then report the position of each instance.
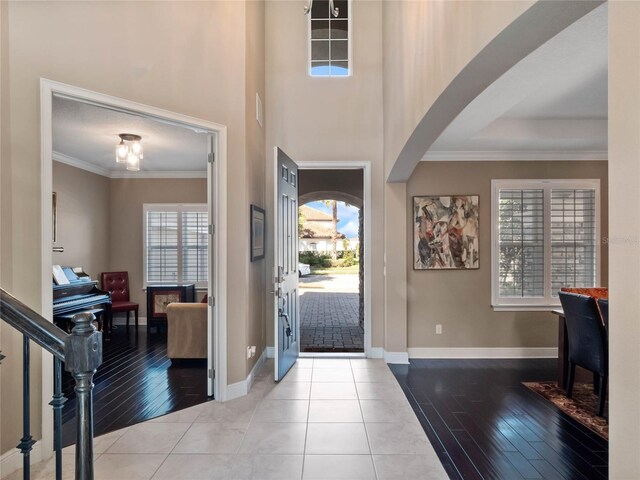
(136, 382)
(484, 424)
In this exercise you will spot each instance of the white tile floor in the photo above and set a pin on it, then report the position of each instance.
(328, 419)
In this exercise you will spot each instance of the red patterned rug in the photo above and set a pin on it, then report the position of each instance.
(582, 407)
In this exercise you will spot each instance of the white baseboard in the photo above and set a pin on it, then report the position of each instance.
(240, 389)
(389, 357)
(122, 320)
(236, 390)
(396, 357)
(271, 352)
(256, 368)
(377, 352)
(516, 352)
(12, 460)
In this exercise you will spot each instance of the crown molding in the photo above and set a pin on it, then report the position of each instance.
(514, 155)
(158, 174)
(89, 167)
(81, 164)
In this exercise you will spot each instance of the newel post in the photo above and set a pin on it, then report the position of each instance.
(83, 355)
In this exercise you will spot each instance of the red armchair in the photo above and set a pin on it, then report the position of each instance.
(117, 283)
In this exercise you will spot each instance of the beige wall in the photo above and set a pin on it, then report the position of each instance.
(426, 45)
(461, 300)
(255, 153)
(417, 69)
(624, 232)
(127, 196)
(327, 119)
(83, 219)
(186, 57)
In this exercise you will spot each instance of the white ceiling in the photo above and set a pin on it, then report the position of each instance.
(85, 136)
(551, 105)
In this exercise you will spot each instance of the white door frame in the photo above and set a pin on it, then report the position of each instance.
(366, 202)
(217, 178)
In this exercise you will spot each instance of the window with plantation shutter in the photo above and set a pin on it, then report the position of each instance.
(176, 244)
(195, 230)
(521, 253)
(573, 238)
(545, 237)
(162, 247)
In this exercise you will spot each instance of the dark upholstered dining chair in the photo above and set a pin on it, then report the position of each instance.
(117, 283)
(588, 342)
(603, 305)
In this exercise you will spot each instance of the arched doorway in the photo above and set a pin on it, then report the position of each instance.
(332, 298)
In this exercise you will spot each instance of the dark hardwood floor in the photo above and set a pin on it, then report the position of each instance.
(136, 382)
(485, 425)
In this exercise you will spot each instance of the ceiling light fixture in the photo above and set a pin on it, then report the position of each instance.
(129, 151)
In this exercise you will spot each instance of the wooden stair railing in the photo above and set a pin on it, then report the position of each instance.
(81, 353)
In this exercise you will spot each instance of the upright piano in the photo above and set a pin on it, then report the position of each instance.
(78, 297)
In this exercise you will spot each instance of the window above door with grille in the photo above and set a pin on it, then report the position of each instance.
(545, 236)
(330, 39)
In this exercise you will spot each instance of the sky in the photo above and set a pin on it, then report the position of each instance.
(347, 217)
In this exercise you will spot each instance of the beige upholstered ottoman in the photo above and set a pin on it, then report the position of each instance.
(187, 330)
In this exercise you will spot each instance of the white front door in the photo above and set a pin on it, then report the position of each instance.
(286, 318)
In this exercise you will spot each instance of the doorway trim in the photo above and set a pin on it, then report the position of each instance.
(217, 180)
(366, 188)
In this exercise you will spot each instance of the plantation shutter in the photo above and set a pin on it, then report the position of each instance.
(573, 238)
(162, 247)
(195, 227)
(521, 243)
(176, 244)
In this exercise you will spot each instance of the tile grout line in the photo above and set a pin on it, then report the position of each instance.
(174, 447)
(364, 423)
(306, 430)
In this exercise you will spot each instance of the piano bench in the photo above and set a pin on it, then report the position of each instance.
(65, 321)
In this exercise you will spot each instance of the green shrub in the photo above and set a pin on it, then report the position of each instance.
(349, 262)
(349, 259)
(315, 259)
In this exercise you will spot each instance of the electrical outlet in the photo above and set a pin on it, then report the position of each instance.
(253, 350)
(249, 352)
(438, 329)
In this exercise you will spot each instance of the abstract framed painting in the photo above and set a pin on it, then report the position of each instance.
(446, 232)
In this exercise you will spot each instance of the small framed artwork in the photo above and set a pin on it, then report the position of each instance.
(446, 232)
(257, 233)
(161, 300)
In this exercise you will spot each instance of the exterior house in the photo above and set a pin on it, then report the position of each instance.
(428, 98)
(317, 232)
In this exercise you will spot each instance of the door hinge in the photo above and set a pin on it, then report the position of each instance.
(212, 373)
(212, 229)
(212, 301)
(212, 157)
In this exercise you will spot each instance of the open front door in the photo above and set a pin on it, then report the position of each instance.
(287, 322)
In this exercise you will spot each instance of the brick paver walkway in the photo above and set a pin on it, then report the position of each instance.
(329, 321)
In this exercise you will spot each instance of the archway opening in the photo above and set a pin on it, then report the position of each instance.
(331, 253)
